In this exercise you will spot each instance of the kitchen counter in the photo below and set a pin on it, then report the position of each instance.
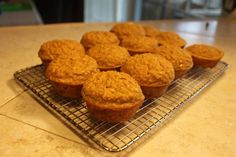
(206, 127)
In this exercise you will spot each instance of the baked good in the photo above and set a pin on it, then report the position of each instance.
(138, 44)
(127, 29)
(112, 96)
(170, 38)
(180, 58)
(151, 31)
(54, 48)
(153, 73)
(109, 57)
(93, 38)
(68, 73)
(205, 55)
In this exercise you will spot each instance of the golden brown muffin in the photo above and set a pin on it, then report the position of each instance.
(127, 29)
(153, 73)
(54, 48)
(180, 58)
(151, 31)
(109, 57)
(138, 44)
(93, 38)
(67, 74)
(112, 96)
(170, 38)
(205, 55)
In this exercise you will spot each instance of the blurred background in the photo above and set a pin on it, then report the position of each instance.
(28, 12)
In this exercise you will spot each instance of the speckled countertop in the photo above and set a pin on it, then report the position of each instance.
(206, 127)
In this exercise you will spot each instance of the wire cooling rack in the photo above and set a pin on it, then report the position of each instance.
(117, 137)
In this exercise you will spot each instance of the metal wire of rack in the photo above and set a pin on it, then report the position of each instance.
(117, 137)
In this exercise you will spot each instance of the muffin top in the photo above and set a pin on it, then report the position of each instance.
(205, 51)
(127, 28)
(54, 48)
(109, 56)
(151, 31)
(179, 58)
(139, 43)
(170, 38)
(113, 88)
(149, 69)
(71, 70)
(93, 38)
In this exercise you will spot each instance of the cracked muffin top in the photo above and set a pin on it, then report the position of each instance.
(54, 48)
(149, 69)
(114, 88)
(93, 38)
(170, 38)
(71, 70)
(127, 29)
(205, 51)
(139, 44)
(109, 56)
(180, 58)
(151, 31)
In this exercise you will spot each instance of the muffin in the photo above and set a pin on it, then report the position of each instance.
(112, 96)
(109, 57)
(153, 73)
(170, 38)
(138, 44)
(127, 29)
(205, 55)
(54, 48)
(151, 31)
(180, 58)
(93, 38)
(67, 74)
